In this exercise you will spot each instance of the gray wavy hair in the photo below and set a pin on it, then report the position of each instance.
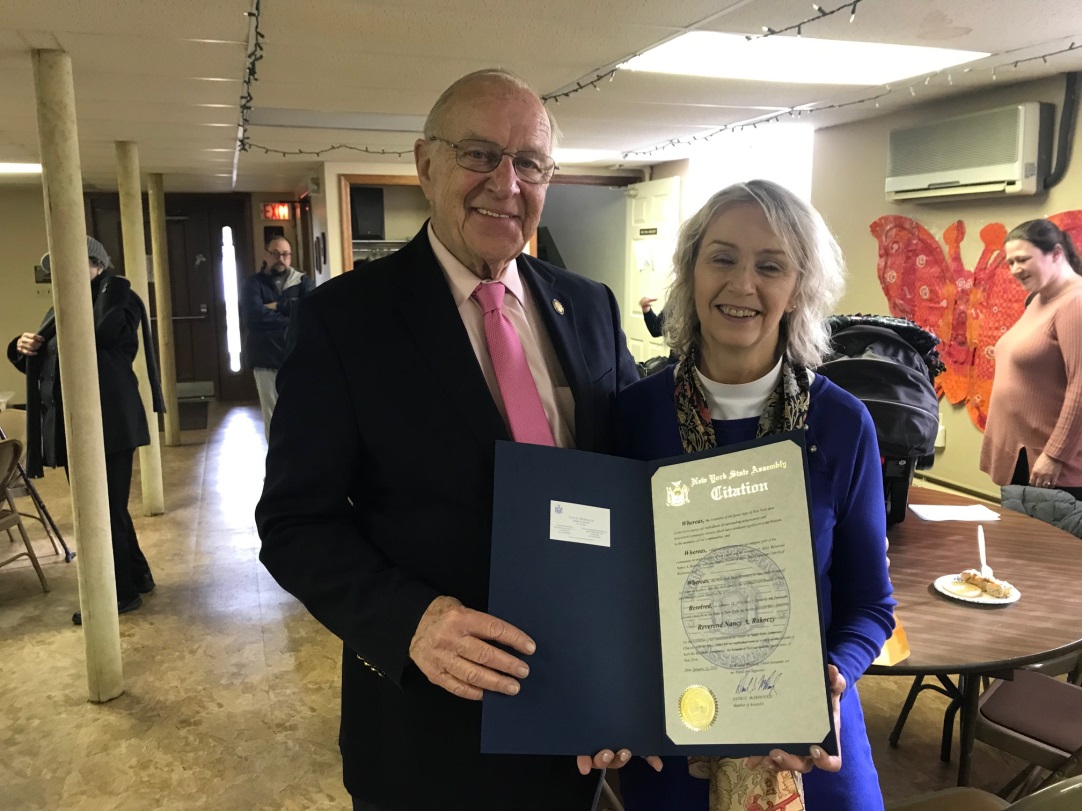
(807, 242)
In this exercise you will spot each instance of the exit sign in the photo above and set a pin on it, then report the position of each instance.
(277, 211)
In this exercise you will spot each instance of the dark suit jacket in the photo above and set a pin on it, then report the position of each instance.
(378, 498)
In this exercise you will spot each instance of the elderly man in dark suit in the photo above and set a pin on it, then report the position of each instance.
(377, 506)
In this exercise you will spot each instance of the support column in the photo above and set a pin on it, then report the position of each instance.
(63, 189)
(135, 264)
(163, 298)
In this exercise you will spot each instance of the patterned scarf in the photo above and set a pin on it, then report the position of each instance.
(786, 408)
(733, 786)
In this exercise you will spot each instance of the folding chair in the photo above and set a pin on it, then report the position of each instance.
(13, 426)
(1062, 796)
(10, 452)
(1037, 718)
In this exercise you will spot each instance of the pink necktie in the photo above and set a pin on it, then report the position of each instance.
(525, 414)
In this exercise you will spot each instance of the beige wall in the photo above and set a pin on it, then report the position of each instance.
(405, 210)
(22, 302)
(330, 179)
(849, 171)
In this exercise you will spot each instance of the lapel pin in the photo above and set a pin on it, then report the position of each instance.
(558, 306)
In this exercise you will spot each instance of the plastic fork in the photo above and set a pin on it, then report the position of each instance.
(986, 570)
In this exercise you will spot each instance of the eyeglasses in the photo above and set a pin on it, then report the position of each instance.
(485, 156)
(281, 254)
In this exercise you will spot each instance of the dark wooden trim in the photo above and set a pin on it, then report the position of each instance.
(345, 221)
(345, 226)
(345, 214)
(382, 180)
(595, 180)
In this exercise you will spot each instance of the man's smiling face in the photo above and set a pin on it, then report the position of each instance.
(485, 218)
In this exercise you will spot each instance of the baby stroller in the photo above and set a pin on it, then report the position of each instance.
(890, 365)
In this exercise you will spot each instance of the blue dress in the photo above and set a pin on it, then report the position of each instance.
(849, 529)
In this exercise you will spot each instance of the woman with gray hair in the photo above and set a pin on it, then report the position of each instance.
(756, 273)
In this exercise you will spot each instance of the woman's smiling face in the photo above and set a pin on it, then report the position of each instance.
(745, 282)
(1031, 267)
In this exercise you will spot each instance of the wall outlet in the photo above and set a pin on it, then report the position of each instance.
(43, 291)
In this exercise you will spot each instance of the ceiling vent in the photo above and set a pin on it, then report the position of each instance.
(1006, 151)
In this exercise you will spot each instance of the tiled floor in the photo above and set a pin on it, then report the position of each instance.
(231, 695)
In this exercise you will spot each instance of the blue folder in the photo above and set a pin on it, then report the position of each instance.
(596, 679)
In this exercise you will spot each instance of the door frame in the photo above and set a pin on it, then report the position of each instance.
(228, 208)
(345, 222)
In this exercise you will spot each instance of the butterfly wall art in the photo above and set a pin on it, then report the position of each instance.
(968, 309)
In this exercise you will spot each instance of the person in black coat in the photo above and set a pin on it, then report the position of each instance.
(118, 313)
(655, 322)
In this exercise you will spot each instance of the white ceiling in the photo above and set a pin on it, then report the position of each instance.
(169, 74)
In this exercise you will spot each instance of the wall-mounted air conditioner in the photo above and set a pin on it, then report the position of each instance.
(997, 152)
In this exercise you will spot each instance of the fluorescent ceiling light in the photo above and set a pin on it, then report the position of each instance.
(20, 168)
(567, 157)
(796, 60)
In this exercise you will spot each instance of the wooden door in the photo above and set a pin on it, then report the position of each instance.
(194, 225)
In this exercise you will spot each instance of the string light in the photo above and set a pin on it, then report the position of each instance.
(254, 57)
(580, 86)
(368, 150)
(1043, 57)
(608, 73)
(798, 111)
(820, 14)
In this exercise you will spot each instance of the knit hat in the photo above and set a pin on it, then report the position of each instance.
(94, 250)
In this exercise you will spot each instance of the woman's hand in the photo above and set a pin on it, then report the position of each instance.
(645, 303)
(29, 343)
(817, 757)
(607, 759)
(1045, 471)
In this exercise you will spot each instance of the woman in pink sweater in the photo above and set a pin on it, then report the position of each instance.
(1034, 430)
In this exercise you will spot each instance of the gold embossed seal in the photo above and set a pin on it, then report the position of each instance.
(698, 709)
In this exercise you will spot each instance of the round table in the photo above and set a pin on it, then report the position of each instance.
(948, 637)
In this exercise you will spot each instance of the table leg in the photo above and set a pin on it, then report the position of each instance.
(971, 687)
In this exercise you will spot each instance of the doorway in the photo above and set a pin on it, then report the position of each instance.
(194, 226)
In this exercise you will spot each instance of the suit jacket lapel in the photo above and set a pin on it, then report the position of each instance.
(563, 333)
(443, 348)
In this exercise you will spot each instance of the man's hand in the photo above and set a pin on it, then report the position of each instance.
(645, 303)
(29, 343)
(818, 758)
(272, 305)
(449, 647)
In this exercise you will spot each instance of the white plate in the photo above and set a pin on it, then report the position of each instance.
(985, 599)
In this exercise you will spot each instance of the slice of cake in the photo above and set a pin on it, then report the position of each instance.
(991, 586)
